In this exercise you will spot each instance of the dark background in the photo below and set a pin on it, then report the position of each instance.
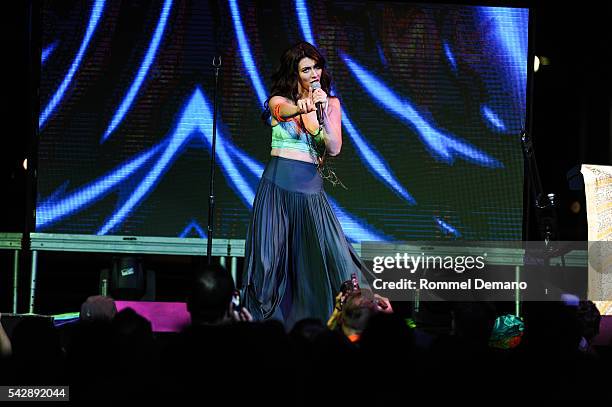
(570, 111)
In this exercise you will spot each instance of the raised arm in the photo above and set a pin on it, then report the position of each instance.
(282, 109)
(332, 127)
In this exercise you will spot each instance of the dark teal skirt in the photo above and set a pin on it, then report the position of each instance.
(296, 254)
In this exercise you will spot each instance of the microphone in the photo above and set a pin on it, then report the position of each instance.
(317, 85)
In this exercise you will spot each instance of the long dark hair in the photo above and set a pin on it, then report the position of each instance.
(285, 79)
(285, 83)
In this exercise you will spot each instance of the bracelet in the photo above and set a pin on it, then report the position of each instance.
(277, 114)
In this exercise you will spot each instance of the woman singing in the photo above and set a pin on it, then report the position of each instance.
(296, 254)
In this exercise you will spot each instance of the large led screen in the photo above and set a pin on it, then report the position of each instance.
(433, 103)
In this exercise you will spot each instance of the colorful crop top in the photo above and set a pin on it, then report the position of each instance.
(287, 134)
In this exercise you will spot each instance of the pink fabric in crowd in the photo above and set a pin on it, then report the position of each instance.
(164, 316)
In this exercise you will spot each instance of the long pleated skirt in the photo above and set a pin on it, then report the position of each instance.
(296, 254)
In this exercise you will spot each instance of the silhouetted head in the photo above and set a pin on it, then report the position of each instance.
(357, 310)
(98, 308)
(211, 294)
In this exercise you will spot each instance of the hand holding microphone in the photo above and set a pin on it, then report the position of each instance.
(319, 97)
(306, 105)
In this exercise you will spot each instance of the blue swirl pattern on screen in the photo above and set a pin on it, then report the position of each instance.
(447, 228)
(96, 15)
(450, 56)
(245, 53)
(193, 226)
(142, 71)
(510, 30)
(500, 112)
(196, 119)
(55, 207)
(47, 51)
(493, 119)
(442, 146)
(372, 160)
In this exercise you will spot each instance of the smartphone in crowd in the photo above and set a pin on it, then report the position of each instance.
(236, 304)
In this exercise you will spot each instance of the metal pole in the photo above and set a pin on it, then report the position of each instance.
(15, 279)
(33, 281)
(234, 268)
(211, 196)
(517, 292)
